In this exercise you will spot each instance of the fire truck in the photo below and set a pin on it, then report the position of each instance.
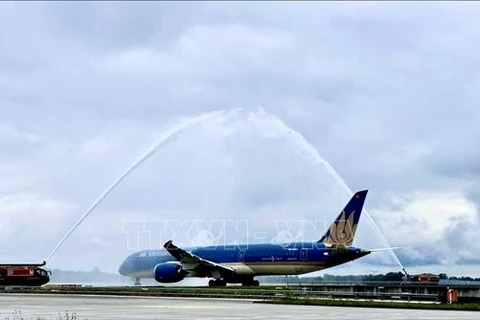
(12, 274)
(422, 278)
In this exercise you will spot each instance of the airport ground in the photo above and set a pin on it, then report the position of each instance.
(80, 307)
(78, 299)
(369, 294)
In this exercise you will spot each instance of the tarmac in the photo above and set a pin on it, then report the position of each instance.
(42, 306)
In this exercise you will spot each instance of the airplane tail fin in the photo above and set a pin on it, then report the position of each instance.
(342, 231)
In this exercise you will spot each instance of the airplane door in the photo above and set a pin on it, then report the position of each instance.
(241, 256)
(303, 254)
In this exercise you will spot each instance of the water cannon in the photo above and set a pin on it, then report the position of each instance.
(407, 277)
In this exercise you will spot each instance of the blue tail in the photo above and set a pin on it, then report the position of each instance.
(342, 230)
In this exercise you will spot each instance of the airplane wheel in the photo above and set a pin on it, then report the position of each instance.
(217, 283)
(255, 283)
(137, 282)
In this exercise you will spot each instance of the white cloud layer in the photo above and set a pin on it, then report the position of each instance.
(387, 93)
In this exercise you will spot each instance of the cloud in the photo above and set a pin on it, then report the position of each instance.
(204, 52)
(10, 133)
(19, 177)
(98, 149)
(386, 93)
(435, 226)
(28, 222)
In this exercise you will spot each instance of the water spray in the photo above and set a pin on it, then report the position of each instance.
(310, 152)
(169, 136)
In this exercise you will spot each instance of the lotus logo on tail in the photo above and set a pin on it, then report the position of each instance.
(342, 230)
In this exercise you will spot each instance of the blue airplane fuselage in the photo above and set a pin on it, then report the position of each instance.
(241, 263)
(250, 260)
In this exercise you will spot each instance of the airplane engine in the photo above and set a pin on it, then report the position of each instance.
(168, 272)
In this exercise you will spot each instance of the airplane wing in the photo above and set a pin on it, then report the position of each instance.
(192, 262)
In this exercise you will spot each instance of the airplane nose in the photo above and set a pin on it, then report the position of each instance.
(124, 268)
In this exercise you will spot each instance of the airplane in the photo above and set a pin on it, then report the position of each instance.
(241, 263)
(23, 274)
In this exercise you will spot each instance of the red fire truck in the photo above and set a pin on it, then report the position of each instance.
(422, 277)
(23, 274)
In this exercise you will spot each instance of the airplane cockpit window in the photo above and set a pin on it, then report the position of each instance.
(41, 273)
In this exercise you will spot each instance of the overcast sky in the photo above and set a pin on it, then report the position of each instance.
(388, 94)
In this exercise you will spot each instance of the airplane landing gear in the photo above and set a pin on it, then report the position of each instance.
(217, 283)
(137, 282)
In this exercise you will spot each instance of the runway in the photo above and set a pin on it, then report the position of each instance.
(42, 306)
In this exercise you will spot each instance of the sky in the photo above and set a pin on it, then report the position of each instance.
(290, 95)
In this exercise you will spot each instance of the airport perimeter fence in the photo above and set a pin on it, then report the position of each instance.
(228, 292)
